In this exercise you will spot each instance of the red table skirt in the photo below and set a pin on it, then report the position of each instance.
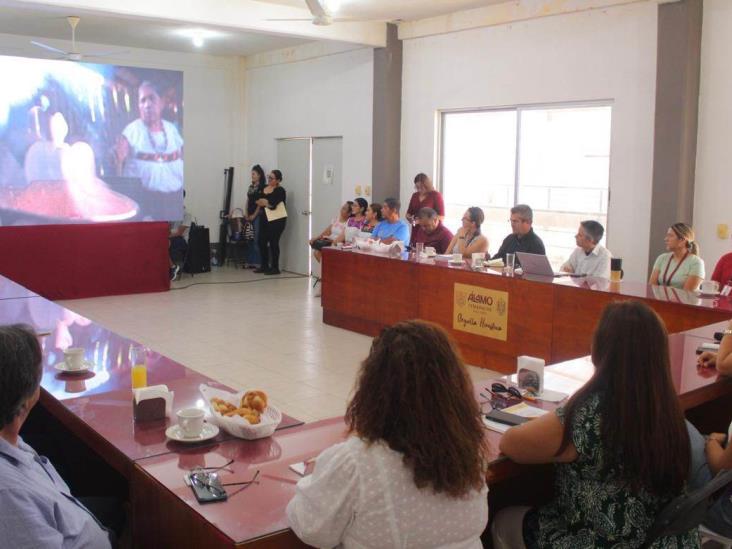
(75, 261)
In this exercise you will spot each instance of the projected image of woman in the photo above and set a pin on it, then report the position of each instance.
(151, 148)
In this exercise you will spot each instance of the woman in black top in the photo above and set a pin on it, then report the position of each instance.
(269, 240)
(254, 216)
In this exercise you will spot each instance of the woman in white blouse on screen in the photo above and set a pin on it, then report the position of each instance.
(412, 472)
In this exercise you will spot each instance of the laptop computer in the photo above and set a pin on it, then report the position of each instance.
(538, 265)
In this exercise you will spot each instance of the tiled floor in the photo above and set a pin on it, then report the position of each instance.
(249, 331)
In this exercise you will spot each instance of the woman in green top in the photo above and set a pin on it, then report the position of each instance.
(620, 443)
(681, 267)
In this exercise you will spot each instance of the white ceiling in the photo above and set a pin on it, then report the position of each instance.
(153, 24)
(392, 10)
(38, 21)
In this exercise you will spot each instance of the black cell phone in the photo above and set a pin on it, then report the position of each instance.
(718, 336)
(506, 418)
(208, 493)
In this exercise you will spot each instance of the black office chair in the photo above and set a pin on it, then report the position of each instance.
(688, 510)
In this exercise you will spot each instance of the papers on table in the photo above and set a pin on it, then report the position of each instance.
(495, 262)
(521, 409)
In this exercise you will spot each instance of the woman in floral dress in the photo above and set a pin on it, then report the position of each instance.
(620, 443)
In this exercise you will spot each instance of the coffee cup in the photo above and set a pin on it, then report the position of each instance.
(430, 251)
(457, 258)
(74, 358)
(478, 259)
(616, 269)
(190, 421)
(709, 287)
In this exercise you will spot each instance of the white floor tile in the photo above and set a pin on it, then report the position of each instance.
(249, 332)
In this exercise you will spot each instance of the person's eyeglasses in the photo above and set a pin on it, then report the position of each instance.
(501, 388)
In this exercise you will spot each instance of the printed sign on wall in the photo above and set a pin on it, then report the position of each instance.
(480, 311)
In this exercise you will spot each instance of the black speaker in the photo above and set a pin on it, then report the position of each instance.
(198, 258)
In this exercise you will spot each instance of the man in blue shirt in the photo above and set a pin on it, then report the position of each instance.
(391, 228)
(36, 506)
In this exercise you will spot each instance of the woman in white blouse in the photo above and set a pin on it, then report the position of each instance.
(332, 232)
(412, 472)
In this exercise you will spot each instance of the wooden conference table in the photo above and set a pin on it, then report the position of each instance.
(97, 408)
(550, 318)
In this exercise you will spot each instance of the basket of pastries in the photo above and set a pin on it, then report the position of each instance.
(246, 414)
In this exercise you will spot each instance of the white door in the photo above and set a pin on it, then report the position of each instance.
(327, 184)
(293, 160)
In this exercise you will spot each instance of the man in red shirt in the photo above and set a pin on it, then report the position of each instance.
(723, 271)
(430, 231)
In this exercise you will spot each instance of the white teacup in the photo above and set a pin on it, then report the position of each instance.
(430, 251)
(191, 421)
(709, 287)
(457, 258)
(74, 358)
(478, 259)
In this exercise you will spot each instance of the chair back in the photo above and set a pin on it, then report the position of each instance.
(687, 511)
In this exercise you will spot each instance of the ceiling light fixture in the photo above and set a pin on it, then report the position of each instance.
(199, 36)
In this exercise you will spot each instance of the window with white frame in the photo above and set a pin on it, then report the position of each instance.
(555, 159)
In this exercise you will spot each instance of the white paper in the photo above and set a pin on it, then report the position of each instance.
(300, 468)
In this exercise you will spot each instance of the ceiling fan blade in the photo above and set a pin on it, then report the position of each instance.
(316, 8)
(290, 19)
(47, 47)
(105, 53)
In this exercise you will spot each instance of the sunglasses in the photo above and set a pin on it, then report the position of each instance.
(500, 388)
(208, 478)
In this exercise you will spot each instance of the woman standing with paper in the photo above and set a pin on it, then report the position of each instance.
(273, 199)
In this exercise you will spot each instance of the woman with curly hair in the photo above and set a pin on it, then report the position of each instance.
(412, 472)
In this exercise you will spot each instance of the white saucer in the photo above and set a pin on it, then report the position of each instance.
(61, 367)
(209, 431)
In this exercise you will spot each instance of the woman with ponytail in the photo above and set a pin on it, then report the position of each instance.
(680, 267)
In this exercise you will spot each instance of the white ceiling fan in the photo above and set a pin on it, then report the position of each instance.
(323, 13)
(73, 54)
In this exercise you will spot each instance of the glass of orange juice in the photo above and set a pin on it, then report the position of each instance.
(138, 359)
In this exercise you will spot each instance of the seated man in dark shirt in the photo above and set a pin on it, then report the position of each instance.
(430, 231)
(522, 238)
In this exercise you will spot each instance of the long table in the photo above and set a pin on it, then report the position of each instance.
(97, 409)
(550, 318)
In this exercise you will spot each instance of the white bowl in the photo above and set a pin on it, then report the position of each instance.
(238, 426)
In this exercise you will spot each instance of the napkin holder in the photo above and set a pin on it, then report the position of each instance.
(530, 373)
(152, 403)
